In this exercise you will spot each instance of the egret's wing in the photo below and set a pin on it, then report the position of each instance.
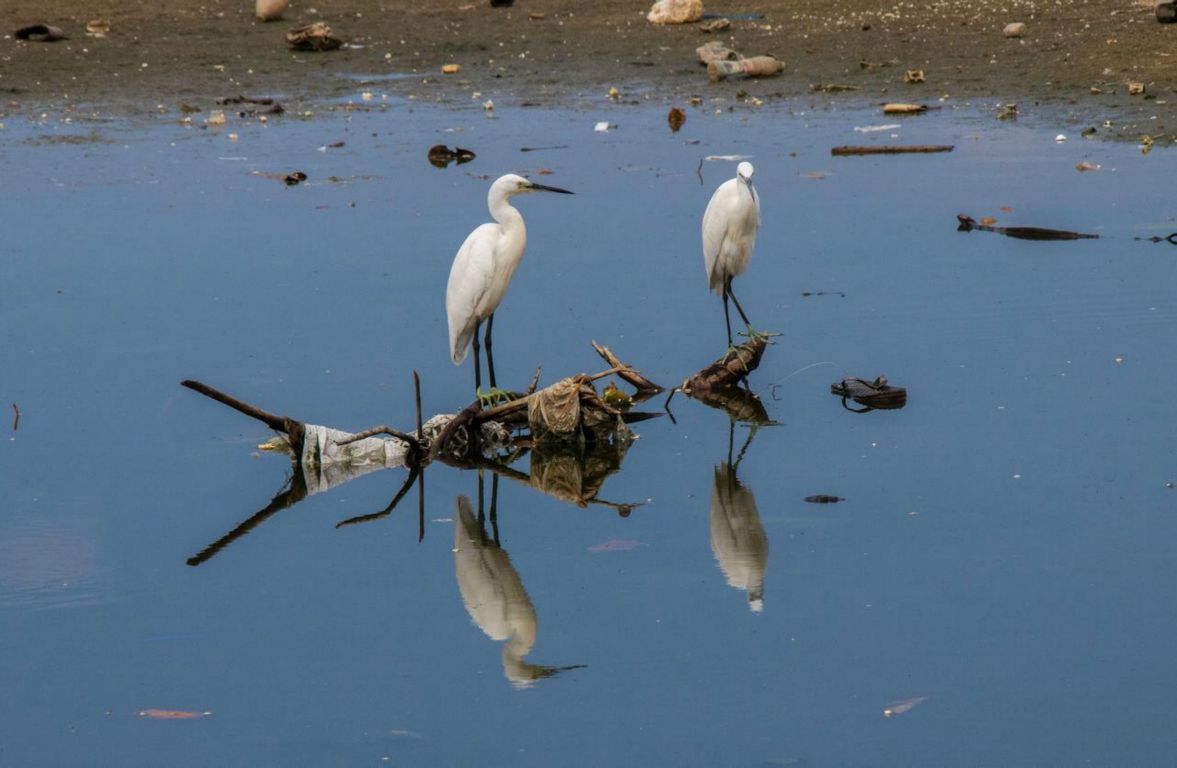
(715, 231)
(470, 278)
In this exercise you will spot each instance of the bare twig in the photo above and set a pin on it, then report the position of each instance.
(16, 417)
(414, 471)
(626, 372)
(383, 429)
(891, 149)
(534, 380)
(417, 393)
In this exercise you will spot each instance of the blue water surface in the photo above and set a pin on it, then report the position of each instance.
(1000, 572)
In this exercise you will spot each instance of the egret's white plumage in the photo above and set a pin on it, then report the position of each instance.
(483, 268)
(730, 224)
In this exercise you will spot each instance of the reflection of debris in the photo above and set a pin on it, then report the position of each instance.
(913, 76)
(313, 37)
(269, 10)
(1014, 29)
(968, 224)
(40, 33)
(715, 25)
(891, 149)
(738, 403)
(1008, 112)
(676, 117)
(904, 705)
(871, 394)
(441, 156)
(675, 11)
(823, 498)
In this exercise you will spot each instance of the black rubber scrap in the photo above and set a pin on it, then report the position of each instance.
(873, 394)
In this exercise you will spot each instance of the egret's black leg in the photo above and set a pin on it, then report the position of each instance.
(477, 364)
(726, 317)
(734, 299)
(490, 361)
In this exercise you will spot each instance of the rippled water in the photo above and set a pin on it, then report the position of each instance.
(999, 575)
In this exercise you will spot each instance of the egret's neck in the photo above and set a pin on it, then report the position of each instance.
(508, 218)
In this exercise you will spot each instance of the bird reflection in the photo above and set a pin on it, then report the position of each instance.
(493, 593)
(738, 540)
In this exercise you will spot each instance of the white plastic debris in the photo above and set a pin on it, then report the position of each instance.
(675, 11)
(1060, 138)
(603, 127)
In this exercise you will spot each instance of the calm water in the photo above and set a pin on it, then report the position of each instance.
(1004, 550)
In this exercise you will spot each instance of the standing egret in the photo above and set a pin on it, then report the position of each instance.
(482, 271)
(729, 235)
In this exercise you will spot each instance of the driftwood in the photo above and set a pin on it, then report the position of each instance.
(968, 224)
(891, 149)
(728, 371)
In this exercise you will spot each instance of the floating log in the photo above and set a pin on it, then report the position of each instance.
(728, 371)
(968, 224)
(891, 149)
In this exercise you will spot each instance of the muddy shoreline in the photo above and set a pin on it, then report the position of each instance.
(1074, 62)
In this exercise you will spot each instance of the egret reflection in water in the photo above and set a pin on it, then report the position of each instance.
(493, 592)
(738, 540)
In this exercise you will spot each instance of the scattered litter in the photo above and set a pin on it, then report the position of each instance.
(892, 149)
(728, 158)
(440, 156)
(295, 177)
(753, 66)
(833, 87)
(823, 498)
(603, 126)
(450, 69)
(313, 37)
(1086, 166)
(1060, 138)
(873, 128)
(269, 10)
(1166, 11)
(1135, 89)
(615, 545)
(676, 117)
(716, 25)
(903, 706)
(1015, 29)
(171, 714)
(904, 109)
(871, 394)
(1008, 112)
(216, 117)
(715, 51)
(675, 11)
(913, 76)
(98, 27)
(968, 224)
(233, 137)
(40, 33)
(488, 105)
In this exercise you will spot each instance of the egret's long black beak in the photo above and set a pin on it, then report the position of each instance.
(546, 188)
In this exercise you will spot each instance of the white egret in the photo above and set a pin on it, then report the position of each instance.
(730, 224)
(482, 271)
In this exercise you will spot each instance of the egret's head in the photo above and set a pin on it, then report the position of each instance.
(514, 184)
(744, 172)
